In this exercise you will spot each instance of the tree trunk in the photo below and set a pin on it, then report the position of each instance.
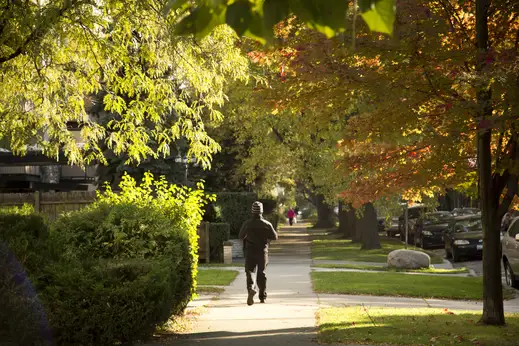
(343, 221)
(324, 213)
(369, 230)
(493, 312)
(354, 226)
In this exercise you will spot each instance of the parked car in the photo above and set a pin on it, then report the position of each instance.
(429, 229)
(381, 226)
(465, 211)
(413, 213)
(510, 253)
(393, 230)
(464, 238)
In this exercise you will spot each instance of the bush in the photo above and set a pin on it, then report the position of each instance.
(22, 317)
(273, 219)
(128, 262)
(269, 205)
(24, 233)
(235, 208)
(218, 234)
(22, 252)
(108, 302)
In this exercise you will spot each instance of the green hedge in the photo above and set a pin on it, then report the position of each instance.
(22, 251)
(273, 219)
(109, 302)
(218, 233)
(107, 274)
(235, 208)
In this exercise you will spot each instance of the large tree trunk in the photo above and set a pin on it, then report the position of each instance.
(354, 226)
(346, 226)
(489, 192)
(369, 230)
(324, 213)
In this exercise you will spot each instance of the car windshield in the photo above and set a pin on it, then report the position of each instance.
(437, 217)
(471, 225)
(465, 211)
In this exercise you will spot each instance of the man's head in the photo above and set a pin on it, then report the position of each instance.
(257, 208)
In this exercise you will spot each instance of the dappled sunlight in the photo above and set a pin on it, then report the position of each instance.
(413, 326)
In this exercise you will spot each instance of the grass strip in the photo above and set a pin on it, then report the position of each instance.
(379, 268)
(412, 326)
(395, 284)
(342, 249)
(216, 277)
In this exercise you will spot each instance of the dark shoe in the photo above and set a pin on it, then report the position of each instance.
(262, 300)
(250, 298)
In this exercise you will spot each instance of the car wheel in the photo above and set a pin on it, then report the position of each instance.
(422, 244)
(455, 255)
(510, 277)
(388, 234)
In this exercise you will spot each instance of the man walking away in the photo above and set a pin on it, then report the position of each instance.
(257, 234)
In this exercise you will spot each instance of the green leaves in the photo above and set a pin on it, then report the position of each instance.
(257, 18)
(379, 14)
(201, 21)
(239, 15)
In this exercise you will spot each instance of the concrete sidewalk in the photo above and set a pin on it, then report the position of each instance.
(288, 317)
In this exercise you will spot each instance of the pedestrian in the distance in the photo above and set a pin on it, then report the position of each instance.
(291, 215)
(257, 234)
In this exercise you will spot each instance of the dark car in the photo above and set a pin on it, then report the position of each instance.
(465, 211)
(464, 238)
(392, 230)
(429, 229)
(413, 214)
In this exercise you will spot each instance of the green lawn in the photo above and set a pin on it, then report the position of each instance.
(345, 250)
(406, 326)
(219, 265)
(216, 277)
(379, 268)
(396, 284)
(209, 289)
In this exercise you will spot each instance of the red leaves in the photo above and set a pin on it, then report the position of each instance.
(447, 312)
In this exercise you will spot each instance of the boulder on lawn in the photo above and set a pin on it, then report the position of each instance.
(408, 259)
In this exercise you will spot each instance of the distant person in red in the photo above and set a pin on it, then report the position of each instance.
(291, 215)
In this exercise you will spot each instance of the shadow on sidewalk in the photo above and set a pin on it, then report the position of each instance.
(288, 336)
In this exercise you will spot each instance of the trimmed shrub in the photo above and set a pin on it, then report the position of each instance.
(269, 205)
(24, 233)
(273, 219)
(127, 263)
(22, 252)
(109, 302)
(218, 234)
(235, 208)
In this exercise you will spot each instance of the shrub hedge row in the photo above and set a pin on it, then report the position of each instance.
(104, 275)
(218, 233)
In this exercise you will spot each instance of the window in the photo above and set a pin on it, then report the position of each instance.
(514, 229)
(459, 229)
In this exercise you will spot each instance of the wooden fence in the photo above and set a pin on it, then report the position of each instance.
(53, 204)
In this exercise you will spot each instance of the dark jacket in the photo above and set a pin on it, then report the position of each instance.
(257, 233)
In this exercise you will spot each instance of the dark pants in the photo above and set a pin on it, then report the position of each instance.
(290, 220)
(256, 262)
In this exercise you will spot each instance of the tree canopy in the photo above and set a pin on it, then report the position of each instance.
(58, 59)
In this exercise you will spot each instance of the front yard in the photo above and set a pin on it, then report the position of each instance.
(400, 285)
(345, 250)
(412, 326)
